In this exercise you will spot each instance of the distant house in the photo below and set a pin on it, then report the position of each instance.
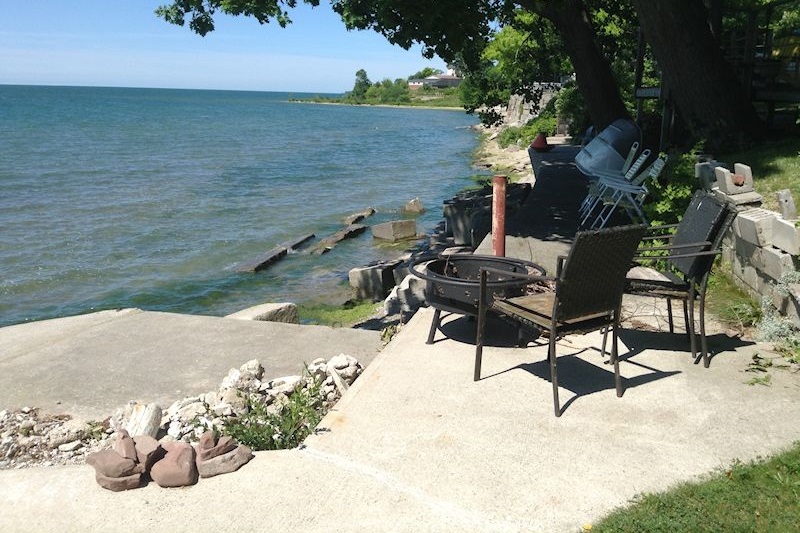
(440, 81)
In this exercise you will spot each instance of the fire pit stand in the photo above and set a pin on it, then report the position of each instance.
(453, 282)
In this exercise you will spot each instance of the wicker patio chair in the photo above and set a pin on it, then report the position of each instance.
(691, 247)
(587, 296)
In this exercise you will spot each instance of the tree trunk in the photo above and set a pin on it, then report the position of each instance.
(592, 70)
(706, 91)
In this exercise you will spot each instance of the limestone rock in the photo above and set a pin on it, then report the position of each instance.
(177, 468)
(269, 312)
(225, 463)
(118, 484)
(109, 463)
(142, 419)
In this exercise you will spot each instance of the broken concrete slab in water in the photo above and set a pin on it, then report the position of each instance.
(271, 256)
(358, 217)
(326, 244)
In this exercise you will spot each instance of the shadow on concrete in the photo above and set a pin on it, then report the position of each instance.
(641, 340)
(583, 378)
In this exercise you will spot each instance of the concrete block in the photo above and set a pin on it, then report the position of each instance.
(776, 263)
(737, 182)
(411, 293)
(705, 173)
(374, 281)
(396, 230)
(414, 206)
(271, 312)
(786, 203)
(749, 253)
(785, 235)
(755, 226)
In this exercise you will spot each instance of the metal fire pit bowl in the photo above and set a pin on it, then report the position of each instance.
(452, 283)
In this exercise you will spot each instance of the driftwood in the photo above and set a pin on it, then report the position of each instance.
(271, 256)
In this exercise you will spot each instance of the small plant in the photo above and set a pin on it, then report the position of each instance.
(282, 425)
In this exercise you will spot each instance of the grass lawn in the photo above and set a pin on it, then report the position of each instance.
(776, 166)
(759, 496)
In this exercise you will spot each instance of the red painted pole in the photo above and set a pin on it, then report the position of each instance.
(499, 215)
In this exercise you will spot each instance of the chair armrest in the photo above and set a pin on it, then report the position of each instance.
(676, 256)
(515, 275)
(704, 244)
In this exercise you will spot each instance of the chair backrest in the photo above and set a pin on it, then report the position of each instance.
(633, 169)
(593, 276)
(631, 156)
(652, 171)
(705, 220)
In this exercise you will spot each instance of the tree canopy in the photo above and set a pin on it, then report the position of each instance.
(504, 45)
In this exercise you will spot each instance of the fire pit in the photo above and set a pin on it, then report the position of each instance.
(453, 282)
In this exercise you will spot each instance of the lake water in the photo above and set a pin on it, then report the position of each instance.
(148, 198)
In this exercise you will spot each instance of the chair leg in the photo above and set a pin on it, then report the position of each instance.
(551, 354)
(669, 316)
(692, 336)
(605, 339)
(703, 341)
(434, 325)
(615, 358)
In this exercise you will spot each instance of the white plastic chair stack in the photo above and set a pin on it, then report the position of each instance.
(597, 188)
(628, 194)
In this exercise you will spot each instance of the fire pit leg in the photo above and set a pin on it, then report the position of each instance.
(434, 326)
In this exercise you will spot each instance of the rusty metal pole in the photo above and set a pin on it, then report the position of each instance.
(499, 215)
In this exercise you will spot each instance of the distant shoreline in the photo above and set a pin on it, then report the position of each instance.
(444, 108)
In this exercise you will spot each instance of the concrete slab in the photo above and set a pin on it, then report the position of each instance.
(91, 365)
(415, 445)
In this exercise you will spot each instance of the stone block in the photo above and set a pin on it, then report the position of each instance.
(776, 263)
(270, 312)
(142, 419)
(374, 281)
(705, 173)
(748, 252)
(411, 294)
(737, 182)
(177, 468)
(785, 235)
(414, 206)
(224, 463)
(395, 230)
(755, 226)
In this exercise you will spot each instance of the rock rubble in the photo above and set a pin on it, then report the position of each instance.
(142, 441)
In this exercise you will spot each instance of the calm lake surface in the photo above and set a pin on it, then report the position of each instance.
(148, 198)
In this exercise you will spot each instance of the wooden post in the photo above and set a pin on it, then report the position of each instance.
(499, 215)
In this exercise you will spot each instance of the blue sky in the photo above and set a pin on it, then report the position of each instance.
(121, 43)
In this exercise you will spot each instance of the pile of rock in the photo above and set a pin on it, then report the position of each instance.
(188, 418)
(29, 437)
(132, 461)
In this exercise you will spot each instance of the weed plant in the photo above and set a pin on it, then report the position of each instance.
(281, 427)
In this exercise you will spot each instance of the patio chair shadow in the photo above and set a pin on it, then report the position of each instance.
(640, 340)
(583, 378)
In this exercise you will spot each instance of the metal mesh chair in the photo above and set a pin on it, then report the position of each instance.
(691, 248)
(587, 296)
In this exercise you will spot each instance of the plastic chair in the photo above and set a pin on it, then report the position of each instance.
(587, 297)
(626, 194)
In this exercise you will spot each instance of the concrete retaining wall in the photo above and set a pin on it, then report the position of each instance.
(762, 246)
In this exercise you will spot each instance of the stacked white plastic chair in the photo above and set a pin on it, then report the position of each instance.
(628, 194)
(598, 188)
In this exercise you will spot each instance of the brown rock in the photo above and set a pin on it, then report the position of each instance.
(225, 463)
(148, 451)
(208, 448)
(109, 463)
(177, 468)
(118, 484)
(124, 445)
